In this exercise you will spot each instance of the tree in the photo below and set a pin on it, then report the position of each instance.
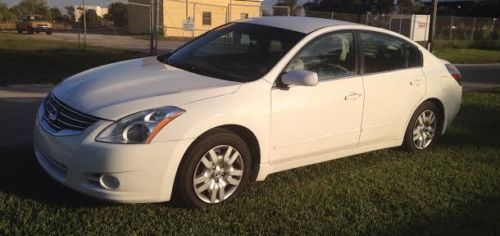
(38, 7)
(281, 6)
(92, 18)
(55, 14)
(70, 11)
(118, 13)
(5, 14)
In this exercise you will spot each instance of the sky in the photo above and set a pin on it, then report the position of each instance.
(62, 3)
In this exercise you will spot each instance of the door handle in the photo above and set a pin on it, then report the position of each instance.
(416, 82)
(353, 96)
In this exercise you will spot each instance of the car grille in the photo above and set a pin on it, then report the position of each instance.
(62, 117)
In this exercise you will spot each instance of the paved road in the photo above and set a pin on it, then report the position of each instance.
(18, 104)
(480, 77)
(136, 43)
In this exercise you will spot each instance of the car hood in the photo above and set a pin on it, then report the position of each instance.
(119, 89)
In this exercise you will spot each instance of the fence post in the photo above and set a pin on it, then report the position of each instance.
(194, 20)
(493, 26)
(473, 28)
(366, 18)
(332, 15)
(390, 22)
(400, 22)
(451, 28)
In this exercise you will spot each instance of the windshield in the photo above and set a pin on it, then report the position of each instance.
(238, 51)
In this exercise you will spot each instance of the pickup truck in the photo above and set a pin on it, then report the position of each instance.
(34, 24)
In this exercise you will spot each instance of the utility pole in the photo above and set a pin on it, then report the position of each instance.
(432, 28)
(187, 14)
(158, 4)
(151, 26)
(84, 27)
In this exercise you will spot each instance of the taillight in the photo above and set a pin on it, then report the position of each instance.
(455, 73)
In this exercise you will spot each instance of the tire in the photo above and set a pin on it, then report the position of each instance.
(198, 171)
(424, 128)
(20, 31)
(30, 31)
(48, 32)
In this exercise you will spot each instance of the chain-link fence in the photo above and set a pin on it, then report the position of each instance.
(447, 27)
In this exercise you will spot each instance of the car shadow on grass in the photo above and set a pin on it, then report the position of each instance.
(474, 126)
(21, 175)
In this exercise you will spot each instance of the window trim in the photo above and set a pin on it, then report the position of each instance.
(362, 58)
(356, 49)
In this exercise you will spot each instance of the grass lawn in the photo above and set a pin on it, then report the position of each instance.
(27, 60)
(468, 55)
(452, 189)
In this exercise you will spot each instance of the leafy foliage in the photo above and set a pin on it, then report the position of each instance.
(118, 13)
(92, 18)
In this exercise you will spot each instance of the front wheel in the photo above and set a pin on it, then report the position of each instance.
(215, 169)
(424, 128)
(48, 32)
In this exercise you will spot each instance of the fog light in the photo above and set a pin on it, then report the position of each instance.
(109, 182)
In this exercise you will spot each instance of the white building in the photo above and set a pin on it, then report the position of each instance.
(101, 11)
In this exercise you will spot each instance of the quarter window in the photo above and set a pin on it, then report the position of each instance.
(381, 53)
(331, 56)
(207, 18)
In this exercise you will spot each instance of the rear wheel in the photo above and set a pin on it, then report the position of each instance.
(49, 32)
(215, 169)
(424, 128)
(20, 31)
(31, 31)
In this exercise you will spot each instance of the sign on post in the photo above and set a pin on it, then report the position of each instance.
(188, 24)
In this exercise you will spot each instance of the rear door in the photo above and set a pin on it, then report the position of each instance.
(394, 85)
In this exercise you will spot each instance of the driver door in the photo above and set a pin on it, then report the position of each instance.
(309, 121)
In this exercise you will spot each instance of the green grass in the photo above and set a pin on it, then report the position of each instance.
(466, 55)
(451, 189)
(27, 60)
(469, 52)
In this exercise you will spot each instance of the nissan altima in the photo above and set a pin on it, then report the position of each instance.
(240, 102)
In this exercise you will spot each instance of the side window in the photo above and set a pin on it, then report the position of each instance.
(383, 53)
(331, 56)
(413, 56)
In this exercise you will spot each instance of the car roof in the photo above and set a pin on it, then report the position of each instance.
(296, 23)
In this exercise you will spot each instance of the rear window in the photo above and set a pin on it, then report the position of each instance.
(384, 53)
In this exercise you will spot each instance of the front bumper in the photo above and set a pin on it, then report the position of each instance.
(115, 172)
(40, 28)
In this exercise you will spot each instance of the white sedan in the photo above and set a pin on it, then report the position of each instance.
(239, 103)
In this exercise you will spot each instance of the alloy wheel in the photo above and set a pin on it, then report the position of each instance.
(424, 129)
(218, 174)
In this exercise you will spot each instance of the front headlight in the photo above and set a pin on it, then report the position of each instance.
(140, 127)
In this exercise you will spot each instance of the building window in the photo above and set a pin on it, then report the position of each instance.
(244, 15)
(207, 18)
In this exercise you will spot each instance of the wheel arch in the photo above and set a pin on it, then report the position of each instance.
(442, 113)
(246, 134)
(441, 117)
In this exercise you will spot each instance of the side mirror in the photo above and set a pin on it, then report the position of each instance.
(300, 78)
